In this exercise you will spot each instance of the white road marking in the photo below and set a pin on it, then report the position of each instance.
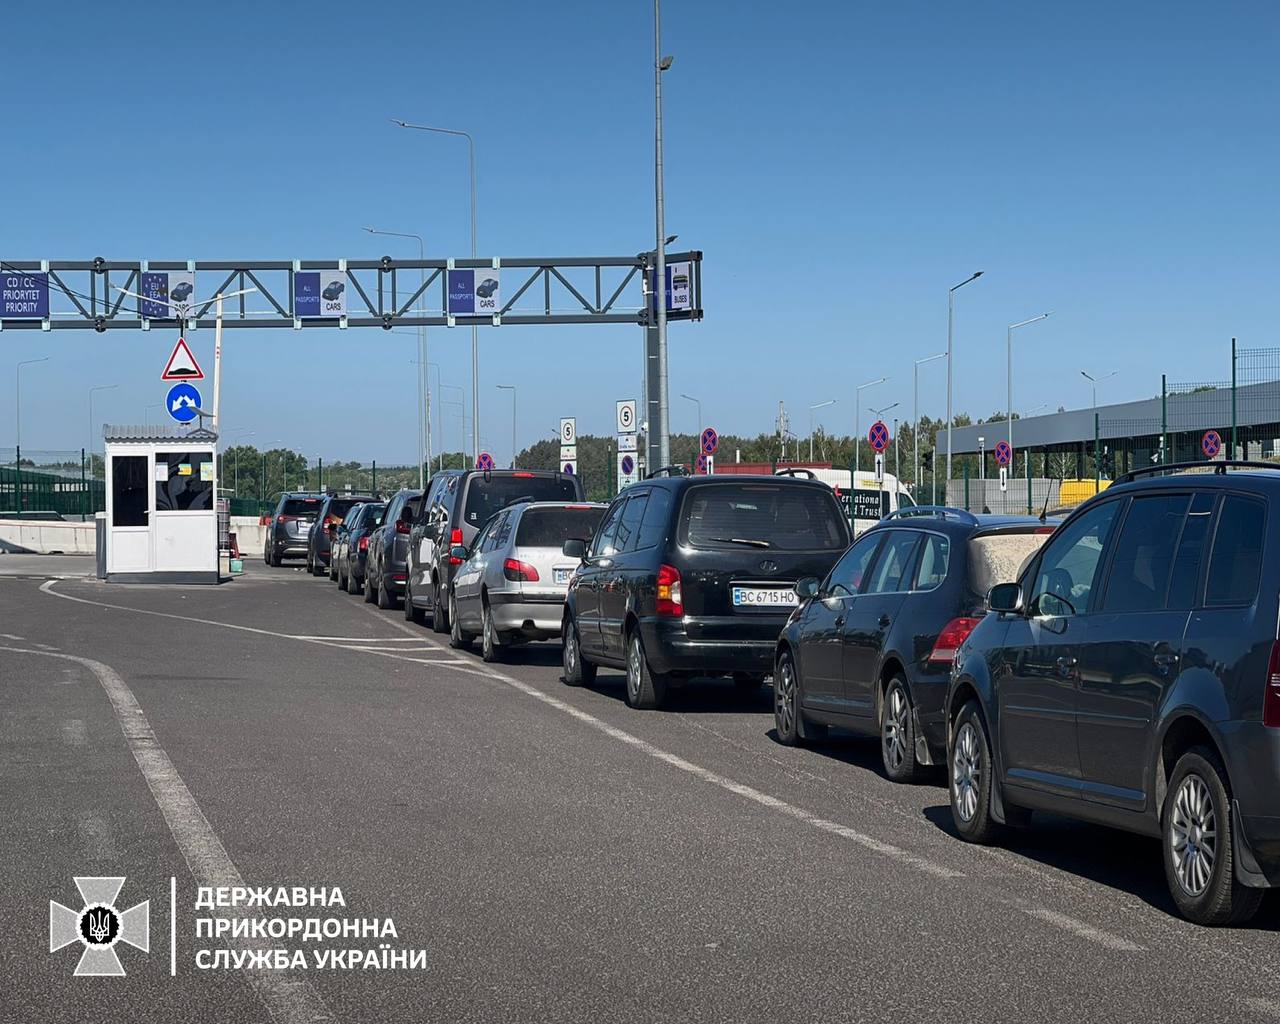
(10, 636)
(288, 998)
(362, 639)
(1105, 939)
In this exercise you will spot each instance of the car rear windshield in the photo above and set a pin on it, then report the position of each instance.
(301, 507)
(551, 527)
(485, 497)
(339, 507)
(999, 557)
(765, 516)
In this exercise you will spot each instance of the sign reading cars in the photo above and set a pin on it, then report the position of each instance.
(319, 293)
(474, 292)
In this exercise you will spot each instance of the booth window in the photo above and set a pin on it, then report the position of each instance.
(128, 490)
(184, 481)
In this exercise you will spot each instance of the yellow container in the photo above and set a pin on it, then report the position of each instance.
(1073, 492)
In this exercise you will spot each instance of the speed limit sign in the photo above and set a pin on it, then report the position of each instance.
(568, 430)
(627, 416)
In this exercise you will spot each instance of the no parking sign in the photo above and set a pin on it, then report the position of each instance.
(1211, 444)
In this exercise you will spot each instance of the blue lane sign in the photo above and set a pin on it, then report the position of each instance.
(319, 293)
(473, 292)
(170, 293)
(628, 465)
(182, 402)
(679, 292)
(24, 296)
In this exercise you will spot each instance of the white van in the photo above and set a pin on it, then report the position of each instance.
(870, 499)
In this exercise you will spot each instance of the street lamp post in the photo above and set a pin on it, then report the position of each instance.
(857, 424)
(951, 324)
(820, 405)
(424, 421)
(1009, 369)
(100, 387)
(698, 429)
(512, 389)
(660, 64)
(17, 403)
(915, 429)
(1095, 381)
(475, 337)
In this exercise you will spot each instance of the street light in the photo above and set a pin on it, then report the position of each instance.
(698, 403)
(424, 431)
(857, 424)
(146, 412)
(951, 324)
(512, 389)
(915, 430)
(475, 337)
(1095, 381)
(660, 64)
(820, 405)
(17, 405)
(100, 387)
(1009, 368)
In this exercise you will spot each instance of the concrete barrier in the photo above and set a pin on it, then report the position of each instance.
(47, 537)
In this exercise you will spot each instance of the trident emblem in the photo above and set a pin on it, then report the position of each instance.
(99, 927)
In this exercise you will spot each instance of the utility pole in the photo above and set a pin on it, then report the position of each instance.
(660, 64)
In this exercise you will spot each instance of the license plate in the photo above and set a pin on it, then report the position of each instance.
(764, 597)
(561, 575)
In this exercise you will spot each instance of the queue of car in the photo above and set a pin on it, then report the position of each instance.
(1120, 667)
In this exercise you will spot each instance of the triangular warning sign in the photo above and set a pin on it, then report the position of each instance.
(182, 364)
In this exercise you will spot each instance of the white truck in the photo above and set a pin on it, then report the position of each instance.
(869, 499)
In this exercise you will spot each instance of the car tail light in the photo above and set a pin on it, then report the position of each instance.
(330, 524)
(363, 545)
(285, 519)
(455, 538)
(1271, 700)
(952, 636)
(1044, 529)
(519, 572)
(670, 592)
(402, 526)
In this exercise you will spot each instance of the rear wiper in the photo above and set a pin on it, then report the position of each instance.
(743, 540)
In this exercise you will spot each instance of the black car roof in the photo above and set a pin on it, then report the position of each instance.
(1258, 480)
(676, 483)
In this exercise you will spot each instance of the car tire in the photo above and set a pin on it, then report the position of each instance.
(439, 616)
(318, 569)
(385, 598)
(370, 593)
(458, 640)
(412, 613)
(490, 645)
(276, 560)
(898, 733)
(1201, 875)
(792, 727)
(354, 586)
(577, 670)
(969, 777)
(340, 578)
(333, 568)
(646, 690)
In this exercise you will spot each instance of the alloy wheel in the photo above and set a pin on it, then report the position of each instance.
(784, 697)
(635, 665)
(570, 651)
(966, 772)
(1193, 834)
(894, 733)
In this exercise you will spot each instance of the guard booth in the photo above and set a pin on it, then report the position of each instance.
(161, 522)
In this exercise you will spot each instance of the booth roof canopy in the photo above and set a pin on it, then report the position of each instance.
(156, 432)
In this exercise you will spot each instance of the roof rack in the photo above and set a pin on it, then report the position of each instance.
(1174, 467)
(667, 471)
(800, 471)
(937, 511)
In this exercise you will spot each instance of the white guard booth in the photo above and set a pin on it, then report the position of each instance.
(162, 526)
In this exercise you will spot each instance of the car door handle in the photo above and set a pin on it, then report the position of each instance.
(884, 621)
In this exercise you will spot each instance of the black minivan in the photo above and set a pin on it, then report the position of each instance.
(1131, 677)
(695, 576)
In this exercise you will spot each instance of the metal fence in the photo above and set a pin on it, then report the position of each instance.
(68, 482)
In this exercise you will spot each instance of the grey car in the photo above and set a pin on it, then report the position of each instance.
(513, 579)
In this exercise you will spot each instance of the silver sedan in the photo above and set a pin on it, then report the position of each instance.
(512, 583)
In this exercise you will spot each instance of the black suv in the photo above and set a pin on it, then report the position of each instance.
(1131, 677)
(871, 647)
(458, 503)
(332, 511)
(290, 527)
(695, 576)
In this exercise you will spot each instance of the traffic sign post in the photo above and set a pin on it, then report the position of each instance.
(706, 463)
(627, 470)
(1211, 444)
(182, 364)
(183, 402)
(879, 467)
(484, 461)
(626, 416)
(1004, 454)
(878, 436)
(1004, 477)
(709, 441)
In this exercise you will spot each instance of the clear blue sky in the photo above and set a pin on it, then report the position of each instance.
(840, 164)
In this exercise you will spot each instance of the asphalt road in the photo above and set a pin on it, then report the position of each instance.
(558, 856)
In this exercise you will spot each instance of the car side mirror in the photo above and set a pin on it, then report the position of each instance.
(459, 552)
(808, 587)
(574, 547)
(1005, 598)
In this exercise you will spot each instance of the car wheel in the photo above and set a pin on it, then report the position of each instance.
(439, 618)
(490, 649)
(898, 734)
(354, 586)
(457, 638)
(786, 701)
(412, 613)
(385, 600)
(1199, 846)
(645, 689)
(333, 568)
(318, 569)
(370, 594)
(276, 559)
(577, 670)
(969, 769)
